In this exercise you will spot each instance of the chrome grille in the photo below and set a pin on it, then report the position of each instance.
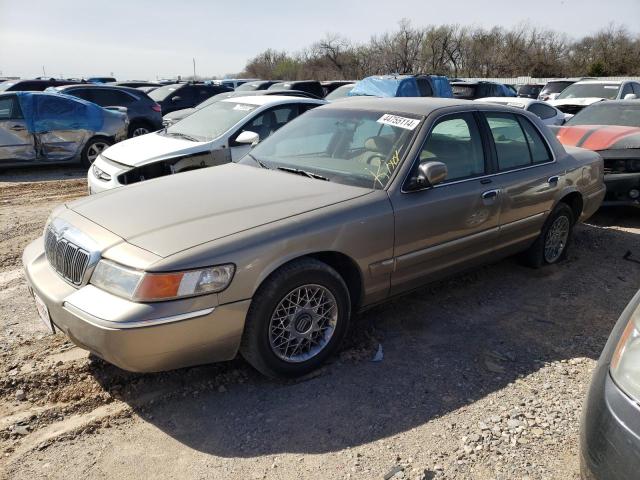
(66, 258)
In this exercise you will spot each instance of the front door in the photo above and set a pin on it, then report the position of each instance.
(16, 143)
(449, 226)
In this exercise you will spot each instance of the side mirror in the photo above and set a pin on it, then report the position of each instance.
(630, 96)
(248, 137)
(177, 98)
(431, 173)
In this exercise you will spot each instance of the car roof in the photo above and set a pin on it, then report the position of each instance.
(525, 102)
(413, 105)
(269, 99)
(600, 82)
(97, 86)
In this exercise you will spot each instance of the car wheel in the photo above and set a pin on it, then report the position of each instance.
(297, 319)
(92, 149)
(551, 245)
(137, 129)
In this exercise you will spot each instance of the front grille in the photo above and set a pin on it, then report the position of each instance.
(66, 258)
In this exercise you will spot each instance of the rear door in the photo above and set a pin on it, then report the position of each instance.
(64, 142)
(528, 177)
(16, 143)
(449, 226)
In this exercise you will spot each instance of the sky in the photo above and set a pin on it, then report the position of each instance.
(142, 39)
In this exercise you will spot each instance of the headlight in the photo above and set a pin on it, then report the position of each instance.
(141, 286)
(625, 364)
(100, 174)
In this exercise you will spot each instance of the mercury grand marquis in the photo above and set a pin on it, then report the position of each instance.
(346, 206)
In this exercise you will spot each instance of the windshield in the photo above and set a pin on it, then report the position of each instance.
(354, 147)
(529, 90)
(340, 92)
(608, 114)
(249, 87)
(215, 99)
(589, 90)
(210, 122)
(556, 87)
(6, 85)
(160, 93)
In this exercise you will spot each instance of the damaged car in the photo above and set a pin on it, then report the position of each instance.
(612, 129)
(587, 92)
(218, 133)
(46, 128)
(348, 205)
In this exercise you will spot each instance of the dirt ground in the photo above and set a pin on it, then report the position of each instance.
(482, 377)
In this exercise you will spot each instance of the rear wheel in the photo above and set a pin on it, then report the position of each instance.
(297, 319)
(138, 128)
(93, 148)
(551, 245)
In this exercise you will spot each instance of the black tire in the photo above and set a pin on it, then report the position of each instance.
(87, 157)
(535, 256)
(255, 346)
(136, 127)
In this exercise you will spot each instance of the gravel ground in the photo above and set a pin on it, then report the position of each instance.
(482, 377)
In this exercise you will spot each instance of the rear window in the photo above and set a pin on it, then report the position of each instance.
(465, 91)
(160, 93)
(555, 87)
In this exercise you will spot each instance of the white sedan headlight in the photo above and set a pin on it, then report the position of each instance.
(141, 286)
(625, 364)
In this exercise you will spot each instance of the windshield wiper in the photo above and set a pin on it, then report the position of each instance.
(182, 135)
(303, 172)
(259, 162)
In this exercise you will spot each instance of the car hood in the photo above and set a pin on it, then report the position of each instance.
(582, 102)
(152, 147)
(599, 137)
(173, 213)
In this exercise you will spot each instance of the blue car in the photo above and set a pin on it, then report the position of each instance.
(403, 86)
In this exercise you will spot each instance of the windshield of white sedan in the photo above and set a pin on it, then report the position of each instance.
(608, 113)
(210, 122)
(589, 90)
(354, 147)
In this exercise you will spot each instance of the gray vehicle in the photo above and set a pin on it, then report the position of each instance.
(43, 128)
(610, 427)
(350, 204)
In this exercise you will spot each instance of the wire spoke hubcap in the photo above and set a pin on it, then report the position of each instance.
(303, 323)
(556, 239)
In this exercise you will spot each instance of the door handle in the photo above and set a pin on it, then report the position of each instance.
(17, 128)
(490, 194)
(552, 180)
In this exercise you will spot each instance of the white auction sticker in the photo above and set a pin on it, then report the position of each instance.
(398, 121)
(243, 107)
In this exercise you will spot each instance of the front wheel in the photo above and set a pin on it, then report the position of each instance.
(297, 319)
(92, 149)
(551, 245)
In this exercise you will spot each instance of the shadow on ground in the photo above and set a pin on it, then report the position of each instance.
(42, 173)
(445, 346)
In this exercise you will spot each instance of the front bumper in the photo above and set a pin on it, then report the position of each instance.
(618, 187)
(98, 185)
(137, 337)
(610, 437)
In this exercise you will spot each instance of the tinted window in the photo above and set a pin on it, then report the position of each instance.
(456, 142)
(83, 93)
(9, 108)
(608, 113)
(107, 97)
(464, 91)
(555, 87)
(511, 145)
(529, 90)
(268, 122)
(542, 111)
(424, 88)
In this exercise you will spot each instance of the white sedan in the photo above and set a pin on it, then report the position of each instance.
(549, 114)
(220, 133)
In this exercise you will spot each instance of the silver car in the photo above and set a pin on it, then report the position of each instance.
(350, 204)
(44, 128)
